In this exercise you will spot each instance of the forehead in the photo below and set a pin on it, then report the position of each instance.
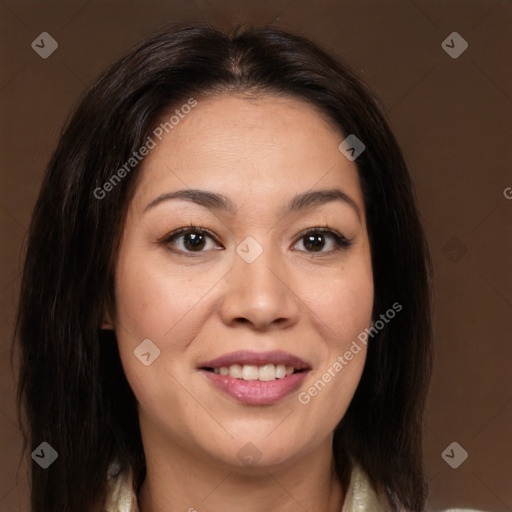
(247, 147)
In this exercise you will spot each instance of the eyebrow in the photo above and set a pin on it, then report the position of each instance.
(300, 202)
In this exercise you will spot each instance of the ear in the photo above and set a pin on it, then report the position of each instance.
(107, 323)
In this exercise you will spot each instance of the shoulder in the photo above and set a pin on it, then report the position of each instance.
(362, 497)
(120, 495)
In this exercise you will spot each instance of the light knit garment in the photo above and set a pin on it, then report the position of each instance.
(360, 497)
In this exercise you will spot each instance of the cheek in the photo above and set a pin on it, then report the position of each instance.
(342, 304)
(342, 310)
(152, 303)
(165, 304)
(152, 297)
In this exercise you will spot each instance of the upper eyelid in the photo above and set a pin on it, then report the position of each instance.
(320, 229)
(187, 229)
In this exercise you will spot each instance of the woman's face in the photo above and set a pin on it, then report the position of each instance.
(259, 277)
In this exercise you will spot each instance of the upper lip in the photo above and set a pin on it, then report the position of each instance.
(257, 358)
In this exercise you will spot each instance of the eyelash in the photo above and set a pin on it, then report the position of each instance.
(340, 241)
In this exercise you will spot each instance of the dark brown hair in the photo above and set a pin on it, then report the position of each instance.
(72, 390)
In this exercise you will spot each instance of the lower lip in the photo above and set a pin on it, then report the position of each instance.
(256, 392)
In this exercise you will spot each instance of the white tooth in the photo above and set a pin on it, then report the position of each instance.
(267, 372)
(235, 371)
(250, 372)
(280, 371)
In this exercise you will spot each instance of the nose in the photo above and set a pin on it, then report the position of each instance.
(260, 294)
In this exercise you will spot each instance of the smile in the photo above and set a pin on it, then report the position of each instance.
(265, 373)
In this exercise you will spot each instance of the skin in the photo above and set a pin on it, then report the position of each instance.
(259, 152)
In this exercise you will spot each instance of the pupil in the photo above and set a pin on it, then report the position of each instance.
(314, 241)
(194, 241)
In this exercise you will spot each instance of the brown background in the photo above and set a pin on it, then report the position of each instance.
(453, 119)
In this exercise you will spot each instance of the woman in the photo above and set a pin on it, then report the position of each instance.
(225, 300)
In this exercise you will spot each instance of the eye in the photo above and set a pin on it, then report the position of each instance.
(189, 240)
(316, 239)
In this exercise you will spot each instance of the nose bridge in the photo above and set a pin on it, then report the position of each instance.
(260, 274)
(258, 291)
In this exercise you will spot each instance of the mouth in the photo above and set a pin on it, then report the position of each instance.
(256, 378)
(263, 366)
(265, 373)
